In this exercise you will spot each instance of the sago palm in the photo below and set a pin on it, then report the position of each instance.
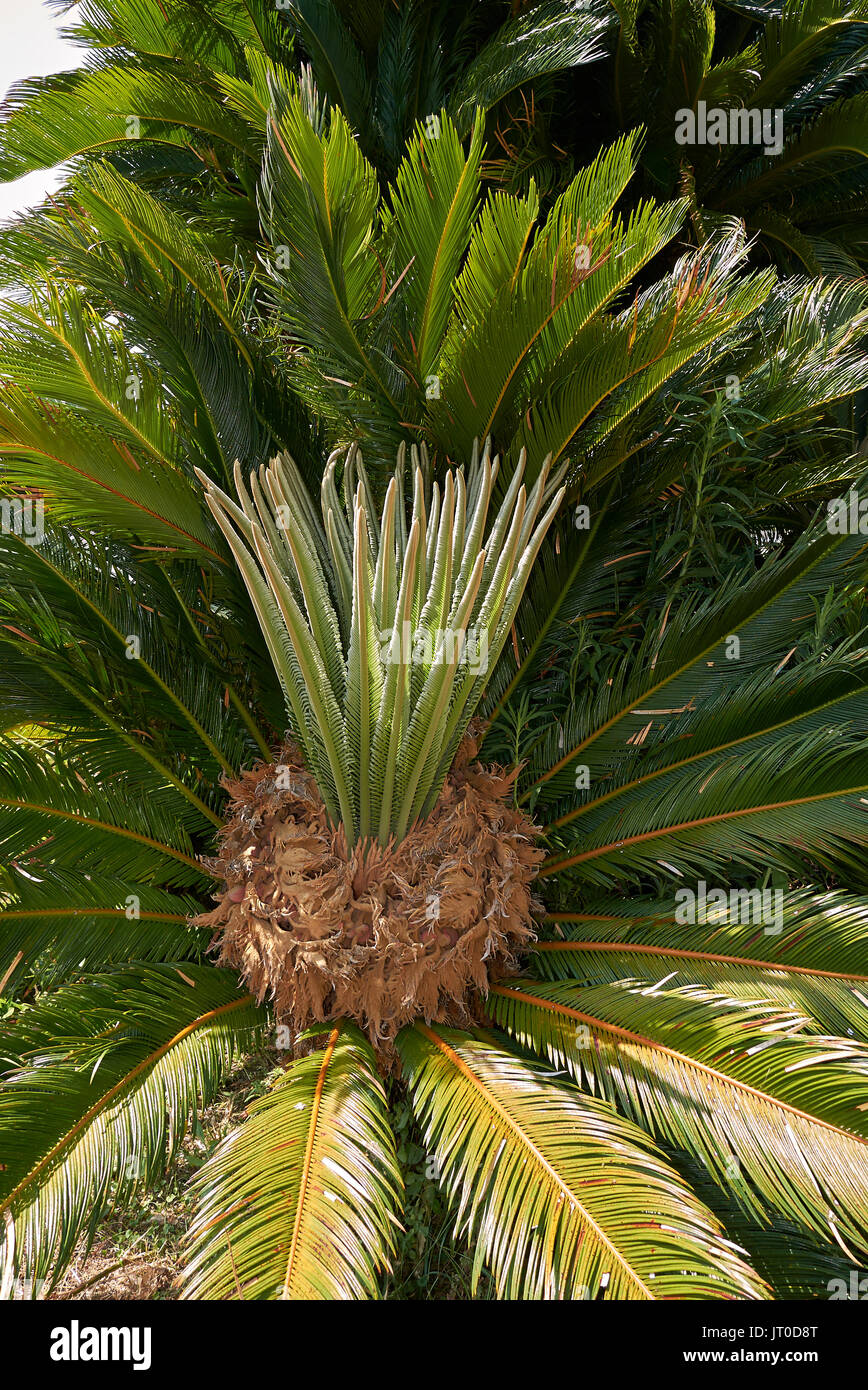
(803, 189)
(445, 742)
(175, 93)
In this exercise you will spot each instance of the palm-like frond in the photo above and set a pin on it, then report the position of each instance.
(552, 36)
(797, 1266)
(378, 711)
(304, 1200)
(338, 65)
(555, 1188)
(811, 959)
(105, 1077)
(42, 801)
(56, 118)
(51, 931)
(800, 59)
(722, 1079)
(688, 655)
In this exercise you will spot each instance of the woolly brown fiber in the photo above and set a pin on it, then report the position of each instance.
(380, 934)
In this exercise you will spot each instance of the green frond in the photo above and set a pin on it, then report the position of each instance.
(683, 663)
(521, 1160)
(836, 142)
(52, 119)
(796, 1265)
(83, 473)
(435, 196)
(46, 808)
(304, 1200)
(337, 64)
(721, 1079)
(107, 1075)
(318, 197)
(144, 641)
(549, 37)
(53, 929)
(380, 726)
(162, 239)
(810, 954)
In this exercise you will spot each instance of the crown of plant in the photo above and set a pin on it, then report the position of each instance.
(367, 621)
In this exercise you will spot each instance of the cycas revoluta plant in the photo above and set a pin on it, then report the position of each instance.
(675, 697)
(367, 625)
(557, 80)
(801, 187)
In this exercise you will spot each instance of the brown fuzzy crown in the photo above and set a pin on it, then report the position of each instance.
(379, 934)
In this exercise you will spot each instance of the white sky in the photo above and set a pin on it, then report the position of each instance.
(30, 47)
